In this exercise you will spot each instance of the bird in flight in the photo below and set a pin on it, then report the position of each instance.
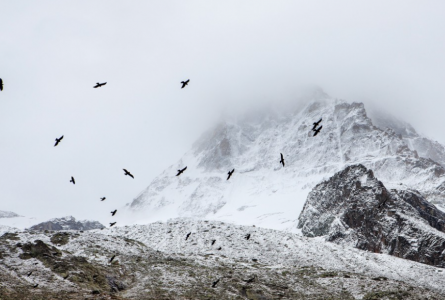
(66, 276)
(35, 285)
(215, 283)
(29, 273)
(113, 212)
(282, 159)
(99, 84)
(213, 242)
(128, 173)
(316, 131)
(316, 124)
(103, 198)
(230, 174)
(111, 259)
(111, 224)
(58, 140)
(1, 84)
(188, 234)
(247, 237)
(184, 83)
(181, 171)
(72, 180)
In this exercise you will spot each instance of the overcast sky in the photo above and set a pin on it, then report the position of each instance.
(236, 53)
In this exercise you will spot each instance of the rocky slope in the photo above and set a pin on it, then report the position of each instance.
(67, 223)
(354, 208)
(157, 262)
(262, 192)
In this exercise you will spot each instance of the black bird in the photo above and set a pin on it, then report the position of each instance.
(230, 174)
(103, 198)
(215, 283)
(251, 279)
(188, 234)
(316, 124)
(316, 131)
(282, 159)
(247, 237)
(219, 248)
(72, 180)
(213, 242)
(35, 285)
(29, 273)
(111, 259)
(99, 84)
(184, 83)
(181, 171)
(1, 84)
(111, 224)
(58, 140)
(66, 276)
(113, 212)
(128, 173)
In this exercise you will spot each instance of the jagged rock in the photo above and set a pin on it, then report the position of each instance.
(67, 223)
(354, 208)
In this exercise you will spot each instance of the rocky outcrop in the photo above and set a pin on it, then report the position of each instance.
(67, 223)
(355, 208)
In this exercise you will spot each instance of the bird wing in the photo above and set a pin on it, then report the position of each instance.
(131, 175)
(125, 170)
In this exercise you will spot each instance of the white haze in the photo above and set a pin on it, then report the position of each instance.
(237, 54)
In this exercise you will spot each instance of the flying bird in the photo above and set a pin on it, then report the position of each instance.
(111, 224)
(72, 180)
(213, 242)
(247, 237)
(99, 84)
(316, 124)
(188, 234)
(128, 173)
(29, 273)
(230, 174)
(35, 285)
(181, 171)
(113, 212)
(1, 84)
(215, 283)
(111, 259)
(66, 276)
(316, 131)
(219, 248)
(58, 140)
(184, 83)
(103, 198)
(282, 159)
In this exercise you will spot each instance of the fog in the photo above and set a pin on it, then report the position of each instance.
(237, 54)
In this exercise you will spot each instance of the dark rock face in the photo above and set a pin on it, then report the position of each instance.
(67, 223)
(356, 209)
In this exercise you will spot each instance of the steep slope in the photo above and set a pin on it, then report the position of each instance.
(264, 193)
(354, 208)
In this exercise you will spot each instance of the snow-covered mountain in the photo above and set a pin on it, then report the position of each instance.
(264, 193)
(67, 223)
(8, 214)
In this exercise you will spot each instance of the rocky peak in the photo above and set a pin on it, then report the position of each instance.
(67, 223)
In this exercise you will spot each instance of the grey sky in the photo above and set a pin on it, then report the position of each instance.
(236, 53)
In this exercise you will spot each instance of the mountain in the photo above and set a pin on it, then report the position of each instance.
(354, 208)
(67, 223)
(264, 193)
(8, 214)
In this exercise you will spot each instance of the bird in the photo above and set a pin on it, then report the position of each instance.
(111, 224)
(213, 242)
(1, 84)
(316, 124)
(35, 285)
(181, 171)
(215, 283)
(72, 180)
(99, 84)
(66, 276)
(29, 273)
(103, 198)
(111, 259)
(230, 174)
(282, 159)
(184, 83)
(247, 237)
(251, 279)
(219, 248)
(58, 140)
(128, 173)
(188, 234)
(316, 131)
(113, 212)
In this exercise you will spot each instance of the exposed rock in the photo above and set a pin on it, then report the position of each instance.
(67, 223)
(356, 209)
(8, 214)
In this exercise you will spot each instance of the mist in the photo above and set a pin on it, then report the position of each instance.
(237, 55)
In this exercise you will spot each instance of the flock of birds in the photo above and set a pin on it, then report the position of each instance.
(127, 173)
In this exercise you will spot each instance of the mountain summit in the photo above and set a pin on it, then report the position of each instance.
(265, 193)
